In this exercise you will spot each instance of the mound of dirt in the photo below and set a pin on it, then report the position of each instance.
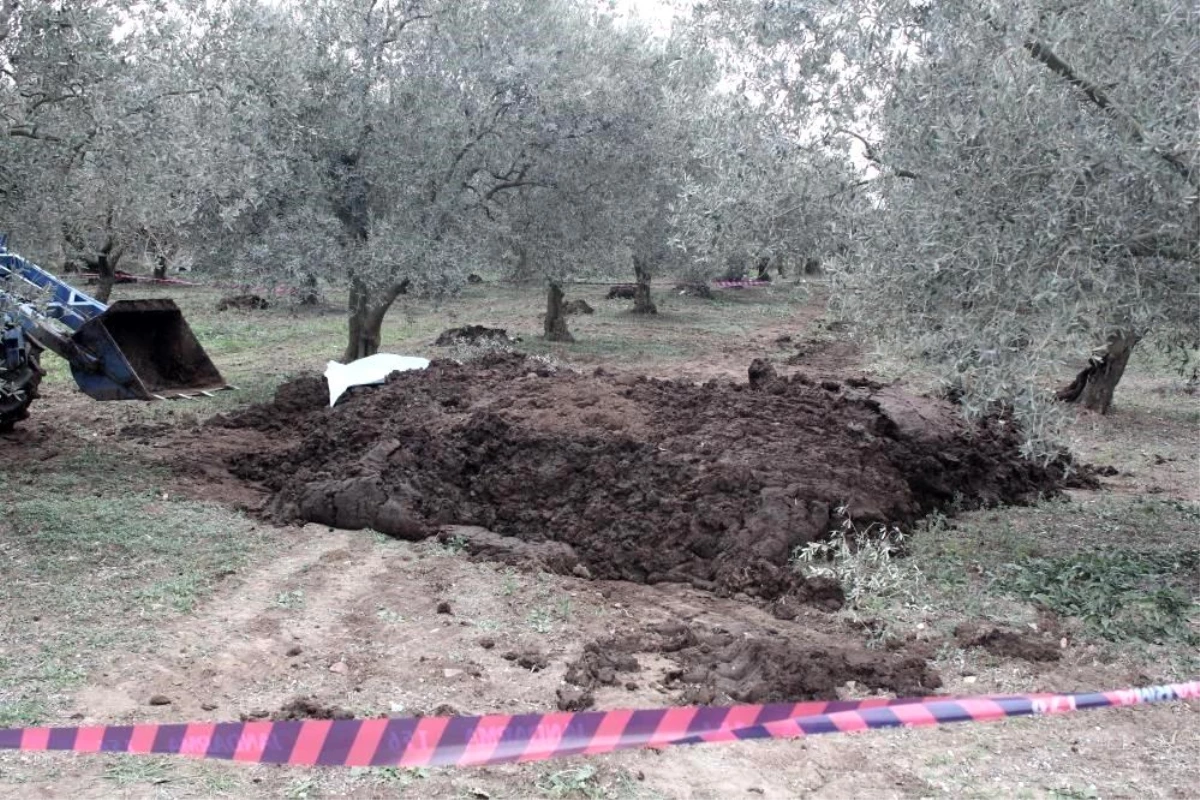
(473, 334)
(622, 291)
(645, 480)
(719, 666)
(1007, 643)
(577, 307)
(243, 302)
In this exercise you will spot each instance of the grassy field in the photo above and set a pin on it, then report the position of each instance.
(116, 583)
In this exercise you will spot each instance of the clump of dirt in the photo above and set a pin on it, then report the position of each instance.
(488, 545)
(473, 334)
(1007, 643)
(243, 302)
(720, 666)
(643, 480)
(622, 291)
(578, 307)
(299, 708)
(532, 660)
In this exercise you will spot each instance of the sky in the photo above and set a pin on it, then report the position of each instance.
(655, 13)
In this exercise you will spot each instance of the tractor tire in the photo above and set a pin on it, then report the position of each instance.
(19, 388)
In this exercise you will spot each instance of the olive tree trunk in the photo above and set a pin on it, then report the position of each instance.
(366, 318)
(1093, 387)
(105, 265)
(642, 303)
(556, 321)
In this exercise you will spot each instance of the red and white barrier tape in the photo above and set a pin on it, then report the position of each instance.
(494, 739)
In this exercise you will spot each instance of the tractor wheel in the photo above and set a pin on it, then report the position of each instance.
(19, 388)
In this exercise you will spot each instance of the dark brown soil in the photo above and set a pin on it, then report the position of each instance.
(243, 302)
(1007, 643)
(622, 291)
(577, 307)
(308, 708)
(643, 480)
(720, 666)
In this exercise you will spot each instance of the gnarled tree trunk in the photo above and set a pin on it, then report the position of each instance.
(1093, 387)
(556, 321)
(642, 304)
(366, 318)
(105, 265)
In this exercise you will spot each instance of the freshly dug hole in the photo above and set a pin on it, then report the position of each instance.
(644, 480)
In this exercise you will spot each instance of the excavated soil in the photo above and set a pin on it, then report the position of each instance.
(632, 478)
(715, 665)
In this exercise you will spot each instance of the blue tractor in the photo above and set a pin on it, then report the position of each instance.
(129, 350)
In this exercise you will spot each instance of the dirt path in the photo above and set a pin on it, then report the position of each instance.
(361, 616)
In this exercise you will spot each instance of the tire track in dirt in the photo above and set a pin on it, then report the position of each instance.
(234, 647)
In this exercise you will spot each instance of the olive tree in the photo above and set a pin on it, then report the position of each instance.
(764, 186)
(390, 151)
(91, 109)
(602, 198)
(1033, 180)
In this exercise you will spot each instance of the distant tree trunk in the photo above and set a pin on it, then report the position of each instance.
(1093, 387)
(366, 318)
(556, 320)
(764, 269)
(309, 294)
(105, 265)
(642, 303)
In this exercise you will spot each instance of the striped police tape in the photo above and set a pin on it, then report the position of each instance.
(494, 739)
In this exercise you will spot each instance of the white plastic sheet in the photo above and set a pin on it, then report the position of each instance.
(366, 371)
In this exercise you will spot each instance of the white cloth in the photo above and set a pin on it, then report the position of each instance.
(365, 371)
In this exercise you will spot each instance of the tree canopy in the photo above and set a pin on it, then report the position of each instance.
(1003, 183)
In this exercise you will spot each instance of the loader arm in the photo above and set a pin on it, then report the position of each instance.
(129, 350)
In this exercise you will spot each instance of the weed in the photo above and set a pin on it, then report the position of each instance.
(1117, 593)
(138, 769)
(1068, 793)
(562, 609)
(576, 782)
(21, 713)
(510, 584)
(455, 544)
(220, 783)
(302, 789)
(401, 776)
(541, 620)
(388, 616)
(291, 599)
(180, 593)
(864, 562)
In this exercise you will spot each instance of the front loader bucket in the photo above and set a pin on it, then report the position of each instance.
(145, 351)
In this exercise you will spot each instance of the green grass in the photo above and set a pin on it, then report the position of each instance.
(139, 769)
(1124, 568)
(91, 551)
(1117, 593)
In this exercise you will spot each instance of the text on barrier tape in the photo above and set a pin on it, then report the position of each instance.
(494, 739)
